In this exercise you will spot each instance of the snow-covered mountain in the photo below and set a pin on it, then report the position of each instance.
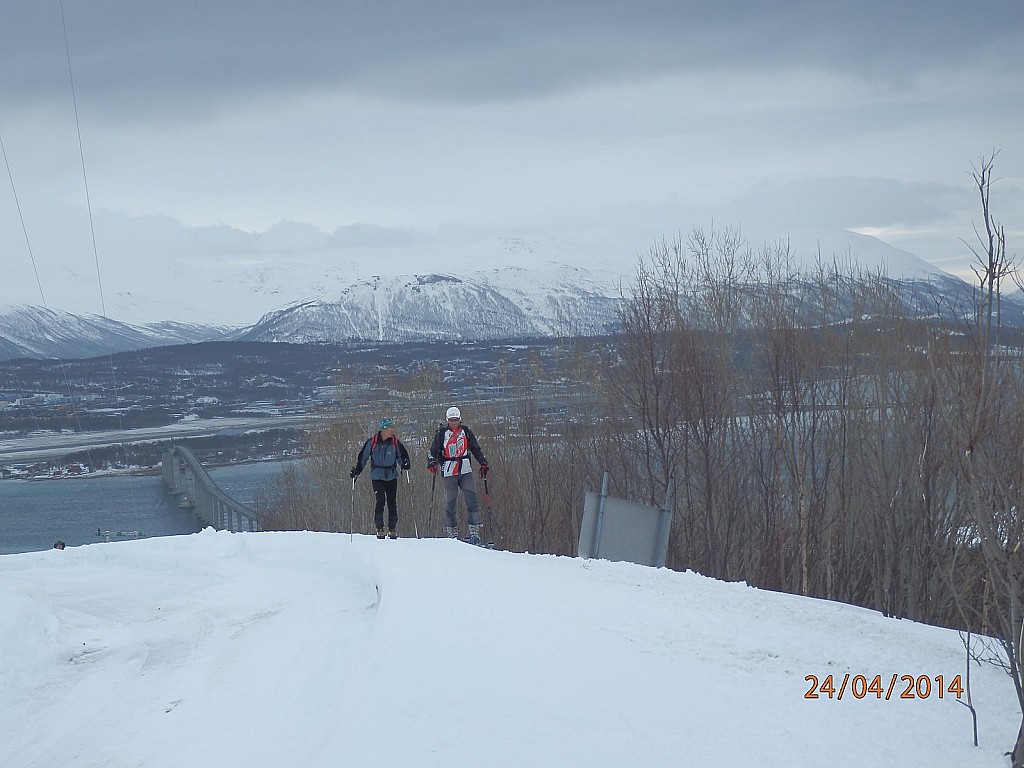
(203, 278)
(553, 300)
(499, 287)
(30, 331)
(506, 303)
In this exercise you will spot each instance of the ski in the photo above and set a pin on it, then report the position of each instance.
(482, 544)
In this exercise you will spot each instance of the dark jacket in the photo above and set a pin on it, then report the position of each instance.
(387, 458)
(452, 450)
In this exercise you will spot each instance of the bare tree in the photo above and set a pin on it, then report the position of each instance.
(982, 382)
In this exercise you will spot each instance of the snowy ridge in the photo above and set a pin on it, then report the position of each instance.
(847, 249)
(31, 331)
(498, 287)
(210, 278)
(311, 649)
(505, 303)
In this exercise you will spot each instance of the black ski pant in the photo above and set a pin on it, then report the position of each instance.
(385, 490)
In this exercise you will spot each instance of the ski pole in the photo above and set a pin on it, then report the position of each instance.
(352, 510)
(487, 509)
(415, 524)
(430, 508)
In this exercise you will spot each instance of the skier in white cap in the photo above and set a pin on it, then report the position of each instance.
(453, 449)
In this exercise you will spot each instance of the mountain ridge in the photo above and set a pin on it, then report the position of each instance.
(40, 332)
(444, 307)
(499, 288)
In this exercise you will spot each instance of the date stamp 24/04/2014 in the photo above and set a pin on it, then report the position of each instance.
(899, 687)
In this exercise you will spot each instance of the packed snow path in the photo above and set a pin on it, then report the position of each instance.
(307, 649)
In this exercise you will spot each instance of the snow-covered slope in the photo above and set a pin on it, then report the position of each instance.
(496, 287)
(314, 650)
(30, 331)
(210, 279)
(498, 304)
(847, 248)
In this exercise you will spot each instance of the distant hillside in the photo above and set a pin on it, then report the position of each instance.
(509, 303)
(30, 331)
(508, 288)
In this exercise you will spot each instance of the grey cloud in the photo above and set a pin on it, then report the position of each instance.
(372, 236)
(164, 235)
(849, 203)
(290, 237)
(163, 58)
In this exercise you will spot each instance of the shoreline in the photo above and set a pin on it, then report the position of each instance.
(26, 449)
(144, 471)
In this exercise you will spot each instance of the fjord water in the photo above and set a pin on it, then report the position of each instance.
(36, 513)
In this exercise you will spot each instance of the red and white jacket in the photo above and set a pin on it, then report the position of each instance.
(452, 449)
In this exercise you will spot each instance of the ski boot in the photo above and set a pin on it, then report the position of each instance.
(451, 533)
(474, 535)
(380, 533)
(392, 533)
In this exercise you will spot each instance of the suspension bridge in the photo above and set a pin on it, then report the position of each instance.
(184, 476)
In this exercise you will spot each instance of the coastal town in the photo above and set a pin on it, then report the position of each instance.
(236, 402)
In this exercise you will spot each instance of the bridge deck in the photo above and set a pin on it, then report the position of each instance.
(184, 475)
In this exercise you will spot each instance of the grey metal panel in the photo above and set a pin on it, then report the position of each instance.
(628, 531)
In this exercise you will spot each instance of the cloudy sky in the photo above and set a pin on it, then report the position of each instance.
(398, 120)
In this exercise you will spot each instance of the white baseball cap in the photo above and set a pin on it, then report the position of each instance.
(453, 413)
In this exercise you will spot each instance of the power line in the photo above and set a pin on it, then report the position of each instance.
(21, 218)
(81, 154)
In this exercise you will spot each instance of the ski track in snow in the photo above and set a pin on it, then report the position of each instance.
(324, 649)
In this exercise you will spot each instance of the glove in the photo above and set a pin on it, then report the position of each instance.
(354, 472)
(432, 468)
(484, 469)
(406, 465)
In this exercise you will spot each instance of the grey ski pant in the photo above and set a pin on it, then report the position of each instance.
(452, 485)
